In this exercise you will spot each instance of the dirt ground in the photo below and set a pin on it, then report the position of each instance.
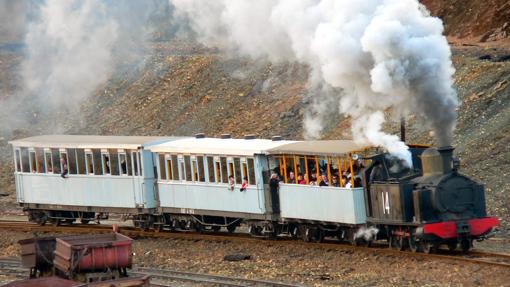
(308, 264)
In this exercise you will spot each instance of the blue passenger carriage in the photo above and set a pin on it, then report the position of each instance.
(61, 178)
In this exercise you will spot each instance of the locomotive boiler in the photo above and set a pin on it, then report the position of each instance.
(428, 205)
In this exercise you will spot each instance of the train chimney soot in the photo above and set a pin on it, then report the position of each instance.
(276, 138)
(226, 136)
(200, 136)
(250, 137)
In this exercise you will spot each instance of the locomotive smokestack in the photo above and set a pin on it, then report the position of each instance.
(403, 129)
(447, 158)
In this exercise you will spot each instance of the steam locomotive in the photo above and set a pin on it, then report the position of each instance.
(425, 207)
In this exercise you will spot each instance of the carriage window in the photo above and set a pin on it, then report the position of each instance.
(113, 157)
(105, 159)
(210, 169)
(33, 164)
(129, 167)
(97, 160)
(71, 164)
(237, 166)
(25, 164)
(168, 166)
(55, 158)
(162, 167)
(64, 161)
(123, 166)
(194, 168)
(187, 166)
(39, 155)
(47, 160)
(18, 160)
(218, 171)
(223, 162)
(251, 171)
(89, 161)
(201, 173)
(231, 169)
(134, 157)
(80, 160)
(175, 168)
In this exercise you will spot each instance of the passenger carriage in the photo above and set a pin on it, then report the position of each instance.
(194, 190)
(105, 174)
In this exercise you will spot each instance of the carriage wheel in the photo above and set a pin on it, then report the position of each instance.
(317, 235)
(294, 231)
(231, 228)
(413, 245)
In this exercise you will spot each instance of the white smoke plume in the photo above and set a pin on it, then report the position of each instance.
(377, 54)
(368, 234)
(70, 49)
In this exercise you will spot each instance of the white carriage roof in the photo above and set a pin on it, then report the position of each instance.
(88, 141)
(218, 146)
(250, 147)
(318, 147)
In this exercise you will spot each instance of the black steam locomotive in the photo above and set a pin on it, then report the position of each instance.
(425, 206)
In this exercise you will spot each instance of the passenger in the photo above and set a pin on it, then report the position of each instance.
(231, 183)
(324, 180)
(334, 181)
(292, 177)
(274, 184)
(245, 184)
(313, 179)
(301, 179)
(63, 162)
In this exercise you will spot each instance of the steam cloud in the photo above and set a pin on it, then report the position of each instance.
(71, 48)
(368, 56)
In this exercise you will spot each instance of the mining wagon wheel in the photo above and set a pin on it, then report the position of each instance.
(215, 228)
(84, 221)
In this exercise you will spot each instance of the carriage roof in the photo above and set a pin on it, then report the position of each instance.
(244, 147)
(88, 141)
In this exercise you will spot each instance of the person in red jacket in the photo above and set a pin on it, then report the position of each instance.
(245, 184)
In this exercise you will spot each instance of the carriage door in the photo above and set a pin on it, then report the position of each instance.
(137, 177)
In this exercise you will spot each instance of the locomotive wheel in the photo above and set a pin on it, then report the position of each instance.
(428, 247)
(452, 245)
(465, 245)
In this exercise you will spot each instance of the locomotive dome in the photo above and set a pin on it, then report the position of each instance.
(431, 162)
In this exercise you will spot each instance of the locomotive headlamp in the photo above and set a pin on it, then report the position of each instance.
(355, 156)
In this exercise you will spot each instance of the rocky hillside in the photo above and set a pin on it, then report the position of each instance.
(184, 89)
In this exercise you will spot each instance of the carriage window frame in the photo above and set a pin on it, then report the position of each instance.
(107, 169)
(251, 171)
(17, 159)
(169, 167)
(25, 160)
(135, 163)
(32, 160)
(89, 162)
(48, 161)
(162, 167)
(210, 169)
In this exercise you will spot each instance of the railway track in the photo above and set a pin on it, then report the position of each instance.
(475, 257)
(12, 267)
